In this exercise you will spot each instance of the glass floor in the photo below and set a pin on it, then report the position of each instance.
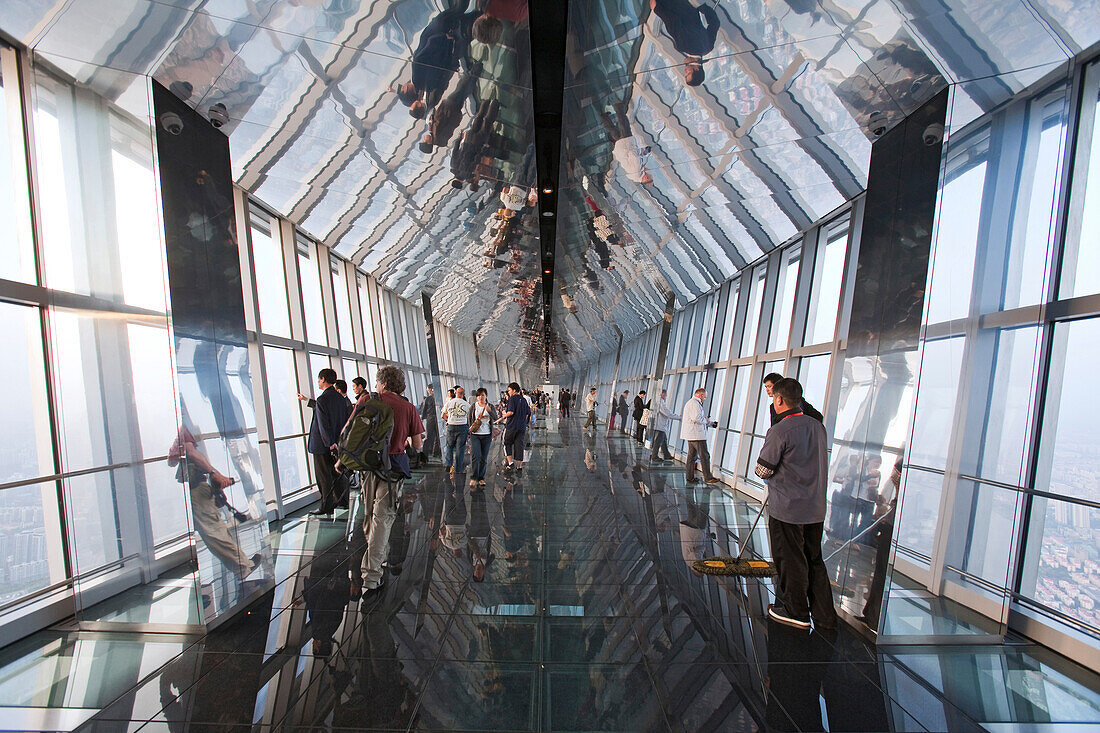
(589, 618)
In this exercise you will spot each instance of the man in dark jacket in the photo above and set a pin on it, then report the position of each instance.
(640, 406)
(623, 409)
(693, 31)
(807, 409)
(330, 412)
(428, 416)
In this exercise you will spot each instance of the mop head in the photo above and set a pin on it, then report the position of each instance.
(733, 566)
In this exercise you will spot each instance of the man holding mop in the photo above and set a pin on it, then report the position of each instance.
(794, 462)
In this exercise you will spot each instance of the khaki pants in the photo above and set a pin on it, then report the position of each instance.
(379, 510)
(211, 526)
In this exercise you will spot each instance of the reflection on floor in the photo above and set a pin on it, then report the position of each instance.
(589, 618)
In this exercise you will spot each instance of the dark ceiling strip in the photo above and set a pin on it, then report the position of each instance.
(548, 24)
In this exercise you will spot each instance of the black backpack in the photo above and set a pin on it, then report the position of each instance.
(365, 441)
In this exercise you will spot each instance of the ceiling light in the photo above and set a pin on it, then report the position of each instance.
(548, 190)
(548, 214)
(547, 272)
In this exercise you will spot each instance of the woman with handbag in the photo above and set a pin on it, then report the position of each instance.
(482, 416)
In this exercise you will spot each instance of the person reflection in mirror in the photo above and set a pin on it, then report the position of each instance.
(693, 31)
(470, 148)
(206, 486)
(435, 61)
(769, 382)
(661, 423)
(794, 463)
(479, 544)
(448, 113)
(626, 147)
(881, 537)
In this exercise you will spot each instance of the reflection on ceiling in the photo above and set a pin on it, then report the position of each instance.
(696, 135)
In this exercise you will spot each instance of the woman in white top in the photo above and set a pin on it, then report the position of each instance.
(482, 416)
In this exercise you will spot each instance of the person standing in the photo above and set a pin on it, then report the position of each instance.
(482, 415)
(693, 429)
(623, 410)
(660, 422)
(427, 414)
(590, 408)
(358, 387)
(330, 412)
(770, 381)
(380, 496)
(456, 413)
(794, 462)
(516, 415)
(640, 406)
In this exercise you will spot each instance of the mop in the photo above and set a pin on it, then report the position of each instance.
(736, 565)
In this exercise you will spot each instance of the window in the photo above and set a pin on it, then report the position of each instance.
(828, 278)
(313, 309)
(343, 304)
(271, 284)
(370, 348)
(956, 244)
(16, 247)
(1081, 265)
(752, 318)
(784, 298)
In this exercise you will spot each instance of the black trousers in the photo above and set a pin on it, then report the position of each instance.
(639, 432)
(333, 487)
(802, 585)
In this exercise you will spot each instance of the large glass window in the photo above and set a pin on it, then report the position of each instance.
(16, 247)
(784, 298)
(828, 278)
(956, 244)
(728, 320)
(343, 304)
(1081, 265)
(271, 285)
(752, 318)
(313, 309)
(369, 346)
(25, 450)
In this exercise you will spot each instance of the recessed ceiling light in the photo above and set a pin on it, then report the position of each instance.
(548, 190)
(548, 213)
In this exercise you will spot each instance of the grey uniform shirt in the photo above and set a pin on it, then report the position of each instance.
(795, 450)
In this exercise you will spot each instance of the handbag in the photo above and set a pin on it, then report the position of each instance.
(476, 424)
(645, 417)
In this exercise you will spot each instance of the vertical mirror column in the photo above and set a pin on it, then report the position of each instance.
(216, 454)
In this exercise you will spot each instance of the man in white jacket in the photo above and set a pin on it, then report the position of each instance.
(590, 408)
(693, 429)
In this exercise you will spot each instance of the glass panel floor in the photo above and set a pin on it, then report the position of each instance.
(589, 617)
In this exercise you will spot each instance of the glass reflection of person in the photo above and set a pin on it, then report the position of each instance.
(693, 31)
(479, 541)
(627, 149)
(206, 485)
(881, 537)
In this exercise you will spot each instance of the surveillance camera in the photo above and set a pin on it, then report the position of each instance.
(181, 89)
(218, 114)
(876, 123)
(171, 123)
(933, 134)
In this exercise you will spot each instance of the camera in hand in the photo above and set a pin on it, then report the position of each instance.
(221, 500)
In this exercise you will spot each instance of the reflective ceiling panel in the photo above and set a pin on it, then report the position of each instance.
(666, 188)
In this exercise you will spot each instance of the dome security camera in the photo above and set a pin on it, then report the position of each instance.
(932, 134)
(171, 123)
(876, 123)
(218, 114)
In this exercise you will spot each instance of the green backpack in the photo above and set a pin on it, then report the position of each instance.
(365, 441)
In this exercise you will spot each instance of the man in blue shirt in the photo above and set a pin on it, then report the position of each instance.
(516, 416)
(330, 412)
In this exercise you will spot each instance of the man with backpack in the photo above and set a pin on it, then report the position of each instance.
(517, 413)
(363, 437)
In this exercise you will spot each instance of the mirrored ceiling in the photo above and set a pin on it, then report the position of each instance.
(696, 136)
